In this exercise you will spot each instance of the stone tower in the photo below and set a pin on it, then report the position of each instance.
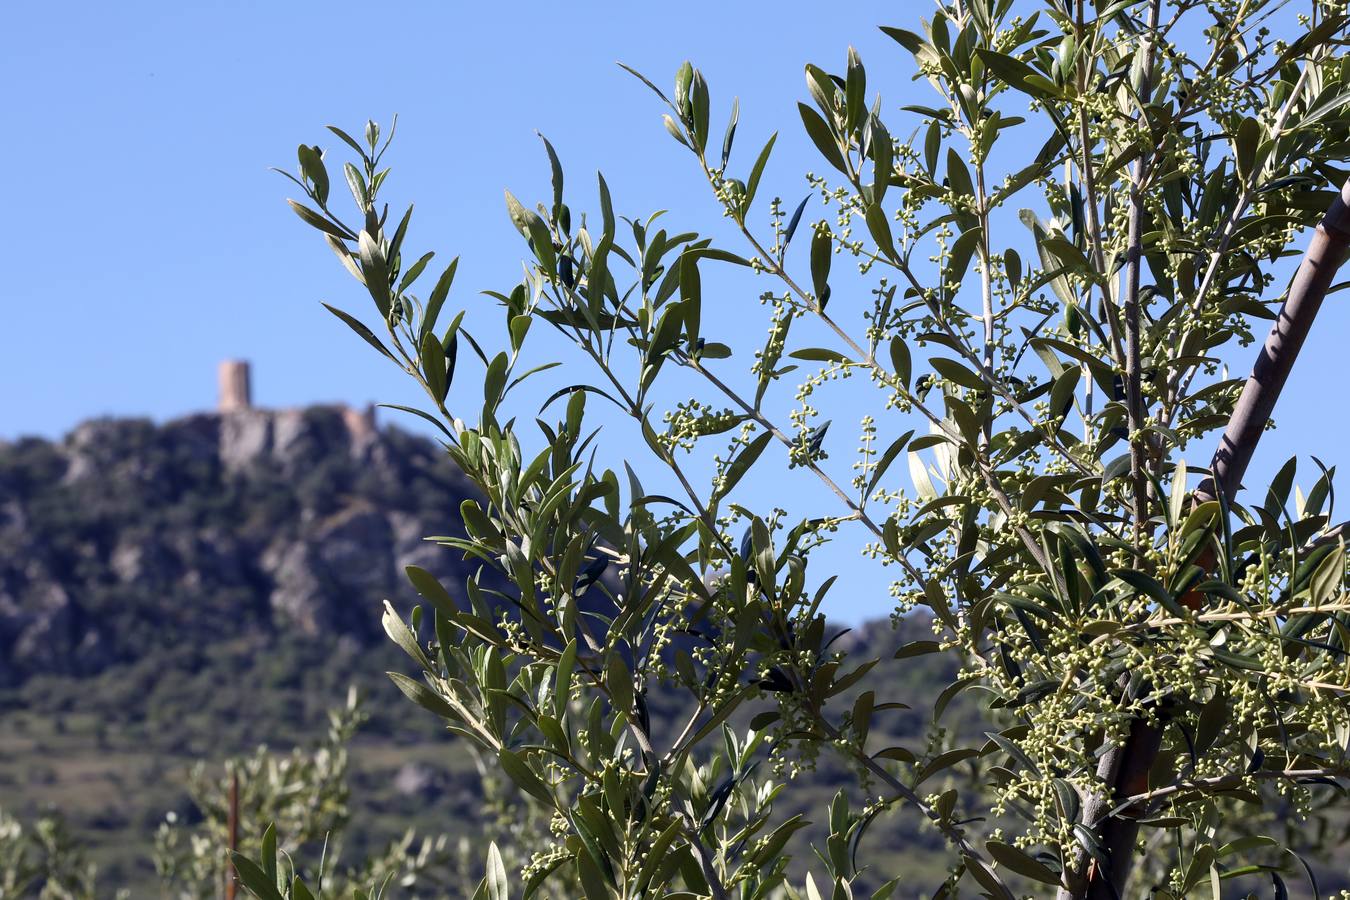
(235, 391)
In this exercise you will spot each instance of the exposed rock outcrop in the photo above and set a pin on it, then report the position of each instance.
(210, 526)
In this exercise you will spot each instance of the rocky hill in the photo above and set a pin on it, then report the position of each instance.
(183, 591)
(129, 535)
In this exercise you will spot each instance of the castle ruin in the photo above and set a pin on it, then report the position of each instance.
(248, 432)
(236, 393)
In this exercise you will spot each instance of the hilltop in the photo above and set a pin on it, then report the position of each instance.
(127, 535)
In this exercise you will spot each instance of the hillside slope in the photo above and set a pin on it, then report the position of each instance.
(189, 590)
(186, 591)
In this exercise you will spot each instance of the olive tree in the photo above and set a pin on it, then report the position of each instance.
(42, 860)
(1039, 281)
(301, 796)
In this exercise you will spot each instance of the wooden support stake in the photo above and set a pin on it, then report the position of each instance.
(232, 824)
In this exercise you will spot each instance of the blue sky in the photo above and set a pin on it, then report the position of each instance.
(146, 238)
(153, 240)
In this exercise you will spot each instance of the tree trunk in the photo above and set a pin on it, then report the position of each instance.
(1326, 251)
(1324, 256)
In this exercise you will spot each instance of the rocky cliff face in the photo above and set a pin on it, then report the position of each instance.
(211, 526)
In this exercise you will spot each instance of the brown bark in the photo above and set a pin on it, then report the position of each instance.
(1326, 252)
(232, 825)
